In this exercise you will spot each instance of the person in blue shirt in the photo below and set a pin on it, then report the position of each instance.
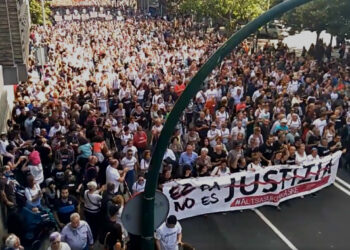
(77, 234)
(188, 158)
(65, 206)
(282, 126)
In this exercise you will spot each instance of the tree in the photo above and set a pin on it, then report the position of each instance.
(36, 13)
(319, 15)
(230, 13)
(339, 22)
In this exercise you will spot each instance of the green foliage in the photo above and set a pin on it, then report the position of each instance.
(36, 13)
(318, 15)
(339, 19)
(230, 13)
(275, 2)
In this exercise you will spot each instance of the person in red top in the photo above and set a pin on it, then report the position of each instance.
(179, 88)
(242, 105)
(140, 139)
(210, 104)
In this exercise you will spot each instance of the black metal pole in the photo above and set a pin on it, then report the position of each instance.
(190, 91)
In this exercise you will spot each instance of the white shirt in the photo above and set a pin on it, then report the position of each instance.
(294, 124)
(256, 95)
(37, 172)
(300, 159)
(158, 129)
(251, 167)
(233, 91)
(200, 97)
(3, 145)
(126, 137)
(235, 131)
(128, 163)
(63, 246)
(30, 193)
(223, 117)
(212, 135)
(311, 158)
(140, 94)
(155, 98)
(138, 188)
(293, 86)
(225, 134)
(211, 93)
(112, 176)
(169, 153)
(92, 202)
(133, 126)
(54, 130)
(219, 172)
(168, 236)
(133, 148)
(334, 96)
(320, 124)
(144, 165)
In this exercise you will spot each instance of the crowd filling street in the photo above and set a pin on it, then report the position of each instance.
(84, 126)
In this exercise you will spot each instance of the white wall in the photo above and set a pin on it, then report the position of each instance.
(6, 102)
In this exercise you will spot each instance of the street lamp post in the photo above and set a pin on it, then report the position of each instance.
(192, 88)
(43, 12)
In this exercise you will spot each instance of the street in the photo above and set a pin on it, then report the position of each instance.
(319, 222)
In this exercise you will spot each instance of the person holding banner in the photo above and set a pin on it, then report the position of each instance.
(314, 155)
(300, 155)
(255, 165)
(291, 160)
(221, 170)
(203, 171)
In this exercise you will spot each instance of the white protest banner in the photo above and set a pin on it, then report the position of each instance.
(246, 190)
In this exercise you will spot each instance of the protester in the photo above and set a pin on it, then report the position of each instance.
(77, 234)
(13, 242)
(33, 193)
(111, 235)
(169, 234)
(65, 206)
(55, 242)
(139, 185)
(114, 176)
(92, 207)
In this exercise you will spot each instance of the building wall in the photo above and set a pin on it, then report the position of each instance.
(14, 38)
(6, 102)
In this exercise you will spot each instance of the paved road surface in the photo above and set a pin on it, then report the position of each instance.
(319, 222)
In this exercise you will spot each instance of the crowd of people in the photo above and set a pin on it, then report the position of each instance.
(83, 127)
